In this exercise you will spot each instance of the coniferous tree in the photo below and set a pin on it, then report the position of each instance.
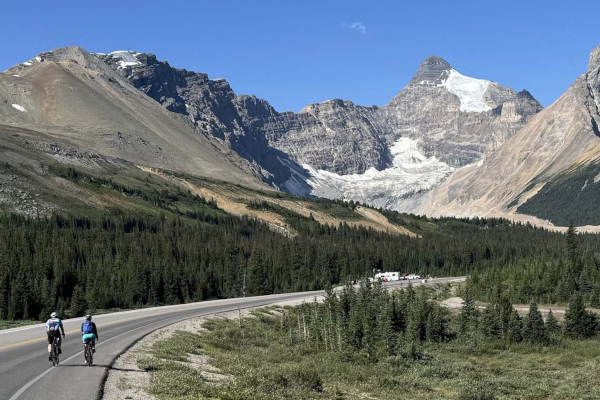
(534, 330)
(514, 332)
(489, 323)
(468, 315)
(78, 303)
(579, 323)
(552, 324)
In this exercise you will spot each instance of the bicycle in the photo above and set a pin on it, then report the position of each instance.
(54, 352)
(88, 353)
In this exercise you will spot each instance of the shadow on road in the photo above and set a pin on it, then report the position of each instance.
(82, 365)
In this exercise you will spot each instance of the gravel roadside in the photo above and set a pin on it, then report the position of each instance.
(125, 381)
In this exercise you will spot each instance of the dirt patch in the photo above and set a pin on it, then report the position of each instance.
(234, 202)
(380, 220)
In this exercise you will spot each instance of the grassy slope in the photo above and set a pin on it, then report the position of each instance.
(266, 366)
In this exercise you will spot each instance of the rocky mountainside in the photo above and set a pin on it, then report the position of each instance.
(556, 149)
(389, 156)
(211, 107)
(68, 106)
(80, 102)
(392, 156)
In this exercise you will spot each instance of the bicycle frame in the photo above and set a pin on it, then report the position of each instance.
(87, 352)
(54, 353)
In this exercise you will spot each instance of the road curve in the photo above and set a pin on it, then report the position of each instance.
(25, 372)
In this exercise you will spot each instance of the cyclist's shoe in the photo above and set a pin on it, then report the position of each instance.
(93, 350)
(49, 357)
(59, 351)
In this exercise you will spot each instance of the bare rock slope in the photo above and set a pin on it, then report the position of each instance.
(389, 156)
(74, 100)
(559, 140)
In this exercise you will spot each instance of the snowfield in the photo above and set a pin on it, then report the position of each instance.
(19, 107)
(399, 187)
(470, 91)
(127, 58)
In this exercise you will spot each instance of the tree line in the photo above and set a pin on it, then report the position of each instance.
(117, 259)
(371, 323)
(548, 280)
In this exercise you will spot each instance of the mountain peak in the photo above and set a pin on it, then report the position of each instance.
(434, 61)
(432, 69)
(594, 59)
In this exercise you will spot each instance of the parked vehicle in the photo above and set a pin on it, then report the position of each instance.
(387, 276)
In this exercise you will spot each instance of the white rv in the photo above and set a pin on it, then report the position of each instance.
(387, 276)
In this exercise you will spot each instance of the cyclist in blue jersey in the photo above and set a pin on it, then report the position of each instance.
(89, 334)
(54, 328)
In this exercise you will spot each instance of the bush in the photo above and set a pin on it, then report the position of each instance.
(477, 391)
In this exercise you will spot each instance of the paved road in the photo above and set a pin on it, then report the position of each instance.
(25, 372)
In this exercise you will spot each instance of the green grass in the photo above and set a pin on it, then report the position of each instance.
(15, 324)
(266, 366)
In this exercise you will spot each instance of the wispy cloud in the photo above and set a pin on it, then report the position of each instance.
(355, 26)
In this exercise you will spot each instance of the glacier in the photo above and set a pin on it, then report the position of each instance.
(470, 91)
(400, 187)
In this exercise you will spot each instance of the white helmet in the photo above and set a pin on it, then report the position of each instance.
(53, 315)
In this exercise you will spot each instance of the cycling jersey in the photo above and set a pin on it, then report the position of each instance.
(54, 325)
(93, 325)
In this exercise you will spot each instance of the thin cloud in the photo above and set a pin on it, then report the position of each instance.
(355, 26)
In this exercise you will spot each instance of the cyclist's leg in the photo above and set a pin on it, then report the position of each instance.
(86, 344)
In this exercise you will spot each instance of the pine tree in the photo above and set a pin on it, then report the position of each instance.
(489, 324)
(552, 324)
(78, 303)
(579, 323)
(468, 314)
(514, 332)
(534, 330)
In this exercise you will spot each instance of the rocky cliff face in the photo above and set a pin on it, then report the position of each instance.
(210, 105)
(354, 152)
(456, 118)
(346, 150)
(562, 137)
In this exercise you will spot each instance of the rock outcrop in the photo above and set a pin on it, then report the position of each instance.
(452, 121)
(559, 138)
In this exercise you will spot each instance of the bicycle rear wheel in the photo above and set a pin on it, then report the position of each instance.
(90, 355)
(54, 354)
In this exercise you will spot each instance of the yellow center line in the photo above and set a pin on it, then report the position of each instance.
(45, 338)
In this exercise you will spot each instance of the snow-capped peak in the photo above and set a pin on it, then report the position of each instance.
(470, 91)
(127, 58)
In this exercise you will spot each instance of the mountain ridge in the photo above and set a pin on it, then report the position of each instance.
(389, 156)
(561, 137)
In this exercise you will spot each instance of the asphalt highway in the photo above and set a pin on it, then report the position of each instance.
(26, 373)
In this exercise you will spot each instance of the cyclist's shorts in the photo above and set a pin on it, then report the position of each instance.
(52, 335)
(88, 337)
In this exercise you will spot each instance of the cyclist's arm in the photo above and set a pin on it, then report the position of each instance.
(62, 328)
(96, 332)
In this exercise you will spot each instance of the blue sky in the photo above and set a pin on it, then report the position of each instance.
(292, 53)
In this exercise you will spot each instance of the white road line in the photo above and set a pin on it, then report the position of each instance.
(40, 376)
